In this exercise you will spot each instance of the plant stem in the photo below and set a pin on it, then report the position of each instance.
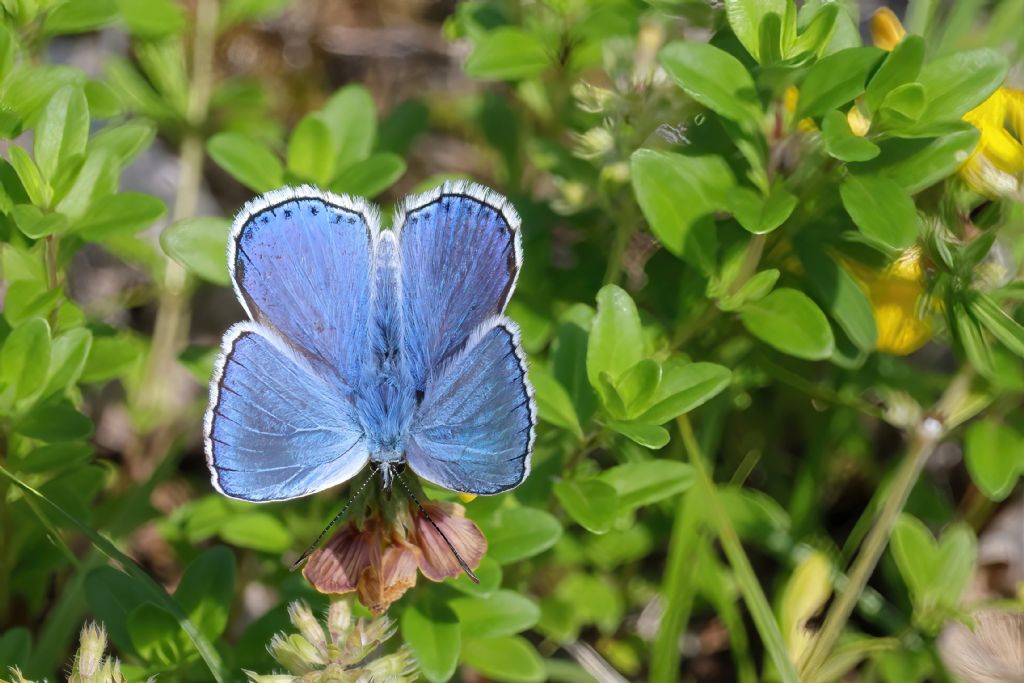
(750, 588)
(925, 438)
(172, 314)
(678, 588)
(751, 258)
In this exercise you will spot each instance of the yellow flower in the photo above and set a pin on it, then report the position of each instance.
(790, 98)
(895, 294)
(996, 166)
(858, 122)
(886, 29)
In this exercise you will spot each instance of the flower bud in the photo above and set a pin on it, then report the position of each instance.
(302, 617)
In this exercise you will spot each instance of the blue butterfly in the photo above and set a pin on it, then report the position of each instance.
(375, 346)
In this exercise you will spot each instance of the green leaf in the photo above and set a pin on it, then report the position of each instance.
(200, 245)
(840, 295)
(26, 299)
(37, 189)
(431, 629)
(112, 595)
(647, 435)
(882, 210)
(748, 18)
(248, 161)
(997, 321)
(514, 534)
(994, 454)
(685, 386)
(124, 213)
(258, 531)
(309, 150)
(643, 483)
(111, 356)
(758, 214)
(918, 164)
(902, 65)
(637, 386)
(714, 78)
(789, 321)
(68, 354)
(592, 503)
(36, 224)
(371, 176)
(616, 338)
(62, 130)
(818, 32)
(754, 289)
(124, 142)
(841, 142)
(512, 659)
(678, 196)
(352, 117)
(504, 613)
(54, 421)
(569, 358)
(25, 358)
(206, 590)
(152, 18)
(835, 80)
(490, 574)
(508, 54)
(902, 106)
(553, 402)
(959, 82)
(154, 634)
(79, 16)
(98, 177)
(15, 645)
(56, 456)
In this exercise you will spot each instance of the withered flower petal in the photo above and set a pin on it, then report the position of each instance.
(435, 558)
(337, 566)
(382, 583)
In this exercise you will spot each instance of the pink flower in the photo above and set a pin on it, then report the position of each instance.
(377, 558)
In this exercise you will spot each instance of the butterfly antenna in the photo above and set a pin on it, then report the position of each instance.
(462, 562)
(337, 518)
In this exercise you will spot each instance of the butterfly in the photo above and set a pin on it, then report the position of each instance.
(364, 345)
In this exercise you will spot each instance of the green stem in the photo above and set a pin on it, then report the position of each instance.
(171, 325)
(925, 438)
(753, 595)
(678, 588)
(751, 259)
(620, 242)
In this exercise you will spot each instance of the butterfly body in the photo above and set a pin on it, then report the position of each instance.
(368, 345)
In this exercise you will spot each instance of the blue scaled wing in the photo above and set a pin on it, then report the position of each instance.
(301, 261)
(275, 429)
(473, 431)
(460, 253)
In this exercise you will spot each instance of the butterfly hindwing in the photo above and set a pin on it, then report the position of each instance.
(275, 429)
(301, 262)
(461, 252)
(474, 429)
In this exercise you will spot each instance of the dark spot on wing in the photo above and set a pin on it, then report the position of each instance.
(313, 210)
(287, 213)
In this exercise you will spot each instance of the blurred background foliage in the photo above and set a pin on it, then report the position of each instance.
(770, 299)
